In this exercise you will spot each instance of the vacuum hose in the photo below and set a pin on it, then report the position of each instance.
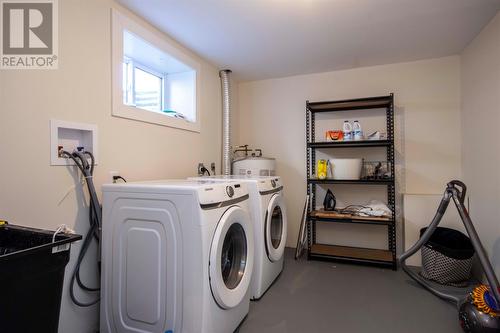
(95, 221)
(454, 190)
(425, 237)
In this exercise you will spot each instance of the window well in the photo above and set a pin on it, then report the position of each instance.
(154, 80)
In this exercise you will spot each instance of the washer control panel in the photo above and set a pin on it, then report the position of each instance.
(269, 183)
(222, 191)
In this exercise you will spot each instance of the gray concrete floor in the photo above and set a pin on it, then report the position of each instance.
(318, 296)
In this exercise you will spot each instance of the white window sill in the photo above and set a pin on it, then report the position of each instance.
(152, 117)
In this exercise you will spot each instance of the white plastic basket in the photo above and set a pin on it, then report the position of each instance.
(346, 168)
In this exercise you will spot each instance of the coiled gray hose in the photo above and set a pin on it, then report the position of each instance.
(95, 221)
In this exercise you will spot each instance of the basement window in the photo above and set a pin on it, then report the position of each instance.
(154, 81)
(142, 86)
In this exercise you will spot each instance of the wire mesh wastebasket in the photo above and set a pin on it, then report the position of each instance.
(447, 257)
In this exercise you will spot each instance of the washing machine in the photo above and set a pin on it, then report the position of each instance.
(177, 256)
(268, 213)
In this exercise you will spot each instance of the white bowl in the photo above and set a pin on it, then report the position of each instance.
(346, 168)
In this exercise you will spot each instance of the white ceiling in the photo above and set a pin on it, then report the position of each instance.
(261, 39)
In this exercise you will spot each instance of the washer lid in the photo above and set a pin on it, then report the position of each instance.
(265, 184)
(275, 230)
(231, 258)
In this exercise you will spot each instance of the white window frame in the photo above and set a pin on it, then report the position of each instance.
(120, 23)
(163, 77)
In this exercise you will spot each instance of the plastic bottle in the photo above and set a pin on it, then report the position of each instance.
(358, 132)
(347, 129)
(322, 169)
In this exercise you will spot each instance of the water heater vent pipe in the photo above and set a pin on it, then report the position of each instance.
(226, 120)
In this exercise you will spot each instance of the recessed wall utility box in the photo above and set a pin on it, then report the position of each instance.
(71, 135)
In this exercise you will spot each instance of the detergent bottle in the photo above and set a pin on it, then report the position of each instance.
(358, 132)
(322, 169)
(347, 129)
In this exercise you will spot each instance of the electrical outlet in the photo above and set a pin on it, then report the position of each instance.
(113, 174)
(200, 167)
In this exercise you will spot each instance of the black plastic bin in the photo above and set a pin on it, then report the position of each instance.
(447, 257)
(31, 278)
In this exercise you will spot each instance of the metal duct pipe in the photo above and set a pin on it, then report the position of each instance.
(226, 121)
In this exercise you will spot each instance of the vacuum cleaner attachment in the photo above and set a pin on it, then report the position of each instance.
(479, 311)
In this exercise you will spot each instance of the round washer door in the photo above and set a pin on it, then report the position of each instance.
(275, 228)
(231, 258)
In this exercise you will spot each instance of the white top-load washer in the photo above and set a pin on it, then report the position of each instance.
(268, 214)
(177, 256)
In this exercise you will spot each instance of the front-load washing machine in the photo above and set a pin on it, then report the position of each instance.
(268, 214)
(177, 256)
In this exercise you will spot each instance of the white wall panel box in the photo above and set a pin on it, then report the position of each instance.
(71, 135)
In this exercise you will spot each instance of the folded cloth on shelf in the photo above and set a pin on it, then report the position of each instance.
(375, 208)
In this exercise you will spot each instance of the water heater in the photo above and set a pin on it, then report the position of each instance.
(254, 166)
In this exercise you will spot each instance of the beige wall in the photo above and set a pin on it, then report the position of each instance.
(271, 116)
(32, 191)
(268, 114)
(481, 122)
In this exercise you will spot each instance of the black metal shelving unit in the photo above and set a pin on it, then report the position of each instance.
(380, 257)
